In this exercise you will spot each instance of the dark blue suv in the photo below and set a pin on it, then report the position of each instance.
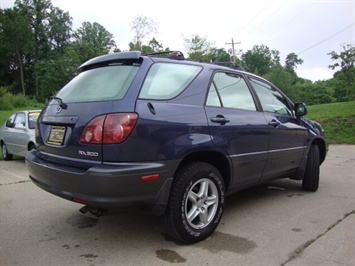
(173, 135)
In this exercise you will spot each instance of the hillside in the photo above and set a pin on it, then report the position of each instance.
(337, 119)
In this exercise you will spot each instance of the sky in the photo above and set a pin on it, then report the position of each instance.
(309, 28)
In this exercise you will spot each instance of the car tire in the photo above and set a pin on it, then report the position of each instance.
(32, 146)
(196, 203)
(5, 154)
(310, 180)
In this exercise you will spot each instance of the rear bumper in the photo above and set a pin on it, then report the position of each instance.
(108, 185)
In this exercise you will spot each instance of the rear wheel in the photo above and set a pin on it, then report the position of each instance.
(310, 180)
(196, 203)
(5, 154)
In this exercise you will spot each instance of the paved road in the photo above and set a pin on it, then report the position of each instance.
(274, 224)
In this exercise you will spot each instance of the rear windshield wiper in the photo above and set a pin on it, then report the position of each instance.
(60, 101)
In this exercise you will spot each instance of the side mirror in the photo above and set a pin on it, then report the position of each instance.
(300, 109)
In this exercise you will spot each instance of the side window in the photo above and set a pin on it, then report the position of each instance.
(213, 97)
(10, 121)
(166, 81)
(230, 91)
(32, 118)
(271, 100)
(20, 119)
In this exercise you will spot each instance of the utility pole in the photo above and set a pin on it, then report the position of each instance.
(233, 50)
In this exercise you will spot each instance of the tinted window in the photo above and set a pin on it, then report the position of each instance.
(165, 81)
(231, 91)
(271, 100)
(99, 84)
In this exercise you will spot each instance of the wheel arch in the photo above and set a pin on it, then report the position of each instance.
(29, 145)
(323, 148)
(214, 158)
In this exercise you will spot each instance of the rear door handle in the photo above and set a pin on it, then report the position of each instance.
(219, 119)
(274, 123)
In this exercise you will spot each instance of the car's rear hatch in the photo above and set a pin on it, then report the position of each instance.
(94, 109)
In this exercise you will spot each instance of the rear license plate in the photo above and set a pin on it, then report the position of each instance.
(56, 135)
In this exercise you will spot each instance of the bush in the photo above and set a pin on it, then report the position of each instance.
(10, 102)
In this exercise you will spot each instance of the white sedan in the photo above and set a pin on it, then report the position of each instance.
(17, 134)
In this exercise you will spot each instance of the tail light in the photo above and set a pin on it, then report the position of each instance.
(109, 129)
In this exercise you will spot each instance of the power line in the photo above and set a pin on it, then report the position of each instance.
(265, 20)
(304, 10)
(326, 39)
(251, 20)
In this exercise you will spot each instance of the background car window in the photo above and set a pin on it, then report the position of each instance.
(166, 81)
(32, 118)
(271, 100)
(10, 121)
(20, 119)
(231, 90)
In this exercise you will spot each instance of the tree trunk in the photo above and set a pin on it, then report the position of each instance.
(21, 73)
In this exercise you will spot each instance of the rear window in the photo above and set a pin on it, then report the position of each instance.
(99, 84)
(165, 81)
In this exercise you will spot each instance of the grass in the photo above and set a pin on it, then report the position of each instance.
(4, 115)
(337, 119)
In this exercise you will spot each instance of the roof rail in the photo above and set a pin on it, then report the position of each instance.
(171, 54)
(229, 64)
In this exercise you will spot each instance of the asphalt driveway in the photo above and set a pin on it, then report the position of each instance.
(273, 224)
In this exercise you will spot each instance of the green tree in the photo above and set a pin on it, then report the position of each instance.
(60, 27)
(290, 66)
(260, 59)
(48, 35)
(292, 61)
(218, 55)
(92, 39)
(57, 70)
(15, 43)
(198, 47)
(153, 47)
(346, 75)
(37, 14)
(319, 92)
(135, 46)
(282, 79)
(38, 52)
(142, 27)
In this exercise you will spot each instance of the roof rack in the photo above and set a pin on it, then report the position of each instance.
(180, 56)
(171, 54)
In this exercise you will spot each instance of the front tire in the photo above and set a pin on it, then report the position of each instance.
(310, 180)
(5, 154)
(196, 203)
